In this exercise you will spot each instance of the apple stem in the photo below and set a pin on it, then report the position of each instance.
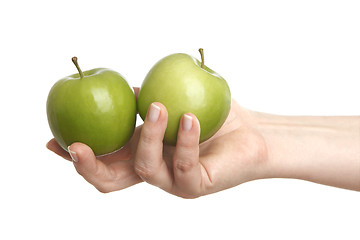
(202, 57)
(74, 60)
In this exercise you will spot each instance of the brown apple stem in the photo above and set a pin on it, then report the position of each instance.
(74, 60)
(202, 57)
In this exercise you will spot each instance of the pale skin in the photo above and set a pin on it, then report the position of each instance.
(249, 146)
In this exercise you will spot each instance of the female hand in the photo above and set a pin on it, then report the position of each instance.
(237, 153)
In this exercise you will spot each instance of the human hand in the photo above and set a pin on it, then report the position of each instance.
(236, 154)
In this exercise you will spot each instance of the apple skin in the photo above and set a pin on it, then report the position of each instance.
(98, 110)
(182, 86)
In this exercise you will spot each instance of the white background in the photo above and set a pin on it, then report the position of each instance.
(283, 57)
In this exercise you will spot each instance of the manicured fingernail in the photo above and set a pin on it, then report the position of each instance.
(73, 155)
(154, 113)
(187, 122)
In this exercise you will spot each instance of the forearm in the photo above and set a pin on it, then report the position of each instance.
(324, 150)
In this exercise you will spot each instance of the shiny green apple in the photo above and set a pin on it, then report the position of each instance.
(185, 85)
(95, 107)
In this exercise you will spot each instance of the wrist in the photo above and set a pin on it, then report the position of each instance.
(275, 131)
(248, 124)
(262, 124)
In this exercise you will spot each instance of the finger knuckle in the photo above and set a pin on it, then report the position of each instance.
(148, 138)
(144, 172)
(184, 165)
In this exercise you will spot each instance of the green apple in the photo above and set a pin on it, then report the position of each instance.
(95, 107)
(183, 84)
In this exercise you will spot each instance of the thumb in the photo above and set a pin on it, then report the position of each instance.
(91, 169)
(80, 152)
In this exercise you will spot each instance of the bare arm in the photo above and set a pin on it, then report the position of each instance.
(324, 150)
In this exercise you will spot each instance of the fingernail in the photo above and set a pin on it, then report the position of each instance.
(187, 122)
(154, 113)
(73, 155)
